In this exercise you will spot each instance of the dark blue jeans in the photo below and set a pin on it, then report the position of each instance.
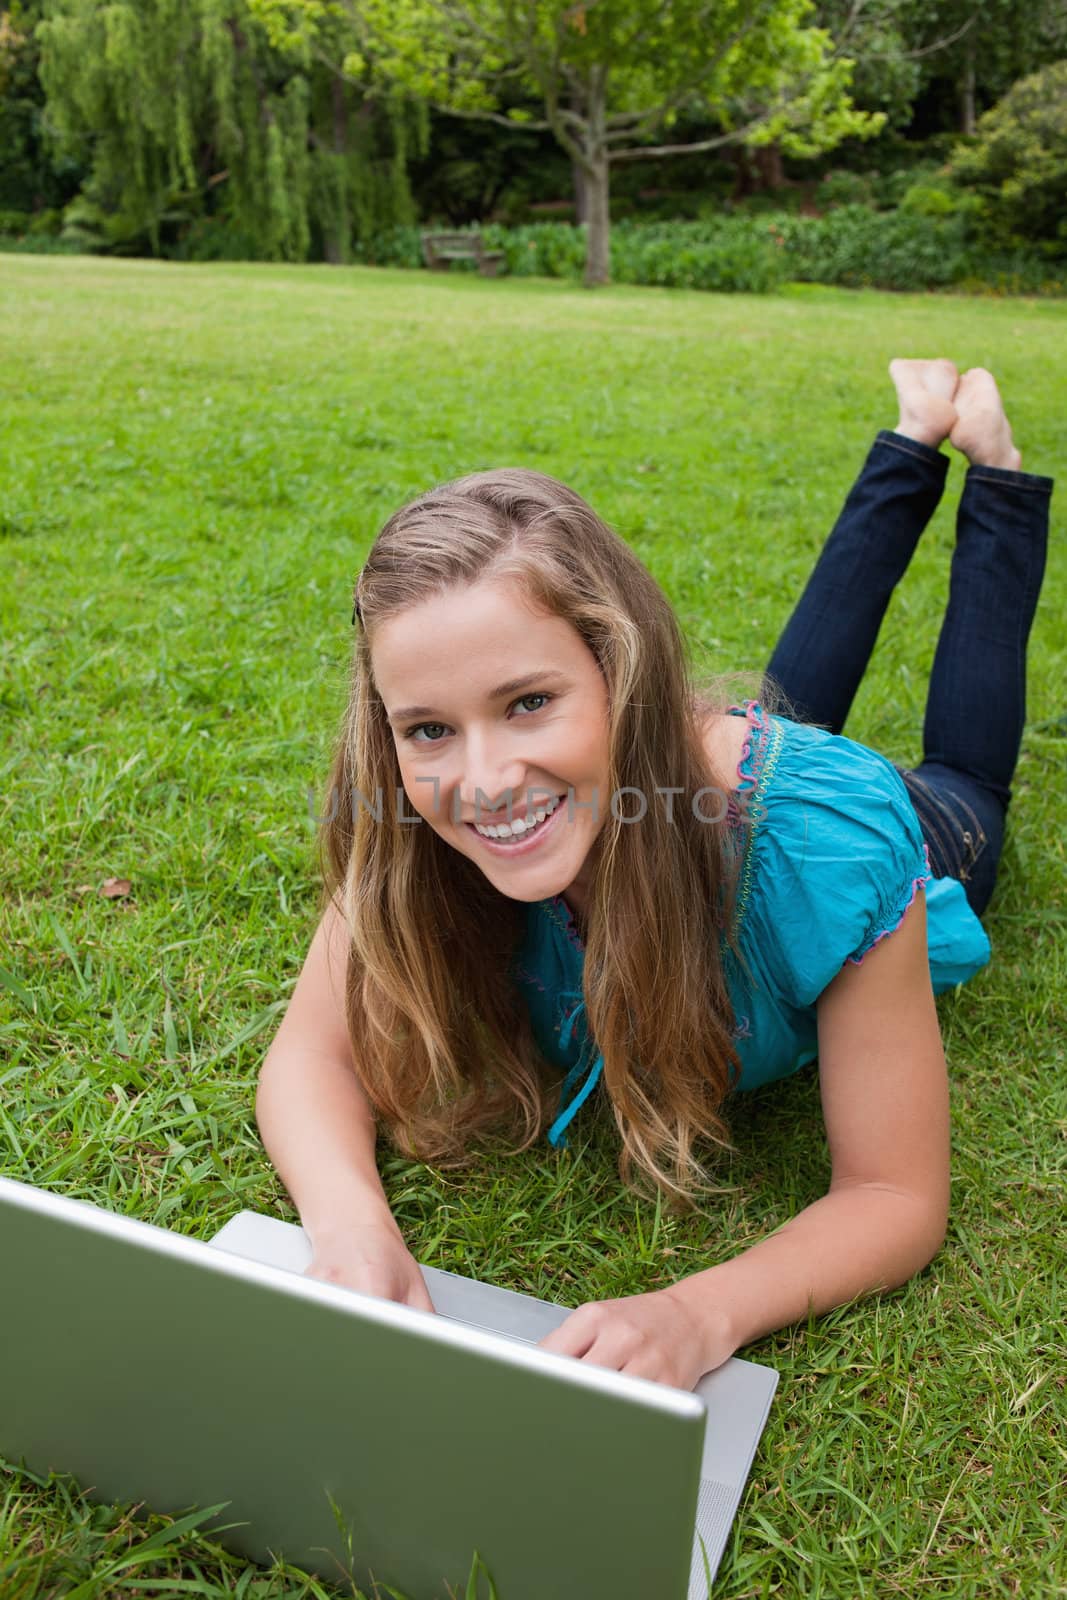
(976, 703)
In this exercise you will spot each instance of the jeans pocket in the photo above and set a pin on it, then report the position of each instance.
(950, 827)
(972, 835)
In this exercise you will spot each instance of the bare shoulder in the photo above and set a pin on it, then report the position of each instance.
(724, 743)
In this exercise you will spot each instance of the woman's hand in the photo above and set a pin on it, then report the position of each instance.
(372, 1257)
(655, 1336)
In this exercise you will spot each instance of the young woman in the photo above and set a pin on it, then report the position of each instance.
(715, 894)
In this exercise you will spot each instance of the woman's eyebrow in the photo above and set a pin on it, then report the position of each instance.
(513, 685)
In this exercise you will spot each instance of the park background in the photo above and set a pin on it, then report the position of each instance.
(717, 144)
(195, 456)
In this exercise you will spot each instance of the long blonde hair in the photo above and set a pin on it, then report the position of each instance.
(441, 1038)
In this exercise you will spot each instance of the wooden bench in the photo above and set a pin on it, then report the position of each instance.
(439, 249)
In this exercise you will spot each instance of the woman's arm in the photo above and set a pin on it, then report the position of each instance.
(884, 1089)
(319, 1131)
(316, 1123)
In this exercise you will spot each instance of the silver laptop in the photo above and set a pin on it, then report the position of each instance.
(356, 1437)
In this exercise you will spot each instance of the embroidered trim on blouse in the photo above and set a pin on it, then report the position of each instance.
(763, 761)
(916, 885)
(560, 913)
(520, 971)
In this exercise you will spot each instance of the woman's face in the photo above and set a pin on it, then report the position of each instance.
(465, 749)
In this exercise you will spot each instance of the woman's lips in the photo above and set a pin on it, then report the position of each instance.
(519, 846)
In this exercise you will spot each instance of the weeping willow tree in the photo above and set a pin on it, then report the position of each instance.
(184, 108)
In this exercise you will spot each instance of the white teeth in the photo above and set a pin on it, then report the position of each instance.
(516, 829)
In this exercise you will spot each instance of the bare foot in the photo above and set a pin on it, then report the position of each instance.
(926, 391)
(982, 431)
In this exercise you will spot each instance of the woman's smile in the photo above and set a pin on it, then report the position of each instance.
(529, 839)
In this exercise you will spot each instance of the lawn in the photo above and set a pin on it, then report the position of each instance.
(193, 464)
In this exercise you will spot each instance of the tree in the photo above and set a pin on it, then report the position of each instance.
(182, 106)
(1018, 163)
(981, 49)
(887, 69)
(29, 180)
(609, 76)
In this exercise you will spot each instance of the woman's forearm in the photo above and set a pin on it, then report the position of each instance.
(851, 1242)
(319, 1131)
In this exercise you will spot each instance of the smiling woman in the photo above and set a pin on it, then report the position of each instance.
(495, 758)
(567, 901)
(516, 655)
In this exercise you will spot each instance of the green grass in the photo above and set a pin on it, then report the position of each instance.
(193, 463)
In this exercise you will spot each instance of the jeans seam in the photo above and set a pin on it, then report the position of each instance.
(1013, 480)
(905, 448)
(1020, 653)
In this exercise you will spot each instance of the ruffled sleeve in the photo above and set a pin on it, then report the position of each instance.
(839, 858)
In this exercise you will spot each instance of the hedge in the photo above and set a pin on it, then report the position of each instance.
(851, 246)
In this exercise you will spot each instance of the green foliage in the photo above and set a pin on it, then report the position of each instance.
(844, 188)
(37, 244)
(852, 246)
(740, 264)
(392, 247)
(119, 229)
(543, 249)
(874, 36)
(216, 238)
(609, 78)
(30, 180)
(727, 255)
(183, 109)
(34, 233)
(937, 197)
(891, 187)
(979, 50)
(859, 248)
(1018, 163)
(856, 247)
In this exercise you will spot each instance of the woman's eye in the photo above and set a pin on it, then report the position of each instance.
(420, 725)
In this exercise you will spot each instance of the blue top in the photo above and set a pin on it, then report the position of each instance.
(834, 857)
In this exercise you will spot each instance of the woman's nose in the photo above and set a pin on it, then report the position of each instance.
(491, 775)
(489, 797)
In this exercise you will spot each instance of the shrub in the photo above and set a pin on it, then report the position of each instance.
(851, 246)
(37, 244)
(393, 247)
(1018, 163)
(38, 224)
(539, 249)
(214, 239)
(859, 248)
(843, 188)
(891, 187)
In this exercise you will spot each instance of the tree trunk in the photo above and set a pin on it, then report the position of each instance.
(598, 185)
(769, 166)
(578, 177)
(581, 193)
(744, 183)
(598, 240)
(966, 89)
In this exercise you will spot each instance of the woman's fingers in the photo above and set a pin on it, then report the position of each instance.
(374, 1262)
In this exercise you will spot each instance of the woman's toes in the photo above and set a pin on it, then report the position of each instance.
(926, 391)
(982, 431)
